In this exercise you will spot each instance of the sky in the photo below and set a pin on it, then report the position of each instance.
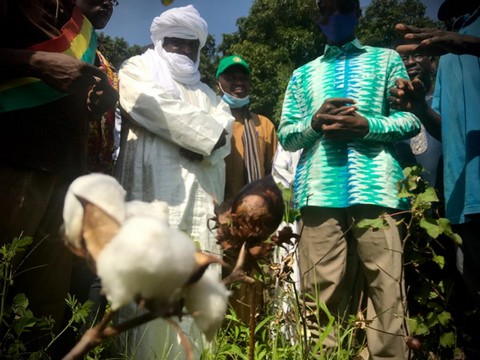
(131, 19)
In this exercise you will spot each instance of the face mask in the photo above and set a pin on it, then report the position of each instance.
(234, 102)
(340, 27)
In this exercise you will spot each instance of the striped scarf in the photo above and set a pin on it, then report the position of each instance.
(100, 137)
(78, 39)
(251, 148)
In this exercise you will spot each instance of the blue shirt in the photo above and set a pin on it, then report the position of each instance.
(425, 150)
(457, 99)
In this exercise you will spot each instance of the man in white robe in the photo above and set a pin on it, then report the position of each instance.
(171, 111)
(174, 141)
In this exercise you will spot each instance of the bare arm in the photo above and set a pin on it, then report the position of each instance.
(62, 72)
(410, 96)
(436, 42)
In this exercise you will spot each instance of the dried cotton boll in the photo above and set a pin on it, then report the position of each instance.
(146, 259)
(254, 214)
(101, 190)
(156, 209)
(207, 301)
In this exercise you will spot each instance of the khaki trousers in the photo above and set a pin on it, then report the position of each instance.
(338, 260)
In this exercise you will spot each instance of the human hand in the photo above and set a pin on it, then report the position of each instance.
(431, 42)
(345, 126)
(332, 106)
(222, 140)
(191, 155)
(408, 96)
(102, 97)
(65, 73)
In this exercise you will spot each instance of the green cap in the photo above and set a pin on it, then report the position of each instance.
(228, 61)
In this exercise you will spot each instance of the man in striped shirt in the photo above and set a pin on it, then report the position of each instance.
(336, 110)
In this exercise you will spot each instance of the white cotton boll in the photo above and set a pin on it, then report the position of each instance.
(207, 301)
(73, 220)
(146, 258)
(99, 189)
(156, 209)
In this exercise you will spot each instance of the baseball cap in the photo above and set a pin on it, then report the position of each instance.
(228, 61)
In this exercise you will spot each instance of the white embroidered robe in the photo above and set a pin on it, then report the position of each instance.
(150, 167)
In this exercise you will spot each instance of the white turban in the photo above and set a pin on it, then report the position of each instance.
(182, 22)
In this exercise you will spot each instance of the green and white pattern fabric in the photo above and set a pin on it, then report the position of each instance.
(343, 173)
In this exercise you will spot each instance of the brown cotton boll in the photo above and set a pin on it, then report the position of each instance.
(251, 217)
(222, 224)
(285, 236)
(259, 208)
(256, 211)
(414, 343)
(261, 250)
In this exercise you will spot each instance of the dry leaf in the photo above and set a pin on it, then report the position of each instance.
(98, 228)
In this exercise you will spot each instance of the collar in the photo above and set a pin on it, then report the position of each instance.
(351, 47)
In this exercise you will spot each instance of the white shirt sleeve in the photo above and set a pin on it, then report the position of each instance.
(163, 113)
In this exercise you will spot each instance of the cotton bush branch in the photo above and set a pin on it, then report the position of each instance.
(238, 272)
(101, 332)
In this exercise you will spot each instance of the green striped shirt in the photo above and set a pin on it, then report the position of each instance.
(360, 171)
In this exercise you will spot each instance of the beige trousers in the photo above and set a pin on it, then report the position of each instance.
(338, 261)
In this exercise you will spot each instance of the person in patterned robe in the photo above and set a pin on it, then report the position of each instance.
(101, 125)
(85, 284)
(336, 110)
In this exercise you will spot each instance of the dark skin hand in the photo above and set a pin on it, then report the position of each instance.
(102, 97)
(434, 42)
(66, 73)
(410, 96)
(63, 73)
(337, 119)
(193, 156)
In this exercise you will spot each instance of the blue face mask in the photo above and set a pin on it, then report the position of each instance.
(234, 102)
(340, 27)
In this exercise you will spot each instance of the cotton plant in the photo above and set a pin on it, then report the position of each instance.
(250, 218)
(139, 257)
(205, 300)
(95, 197)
